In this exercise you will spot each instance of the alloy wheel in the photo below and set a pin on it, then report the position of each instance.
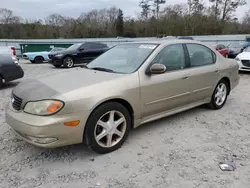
(221, 94)
(69, 62)
(110, 129)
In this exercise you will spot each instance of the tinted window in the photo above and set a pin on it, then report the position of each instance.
(172, 57)
(200, 55)
(220, 46)
(93, 45)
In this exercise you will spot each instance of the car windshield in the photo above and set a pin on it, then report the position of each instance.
(74, 46)
(56, 49)
(234, 45)
(124, 58)
(247, 49)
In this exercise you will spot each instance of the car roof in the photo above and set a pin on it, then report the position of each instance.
(168, 41)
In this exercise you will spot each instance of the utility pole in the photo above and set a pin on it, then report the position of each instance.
(157, 4)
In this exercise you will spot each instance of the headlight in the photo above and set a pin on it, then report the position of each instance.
(45, 107)
(237, 59)
(59, 55)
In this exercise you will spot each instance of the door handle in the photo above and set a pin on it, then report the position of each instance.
(216, 71)
(185, 78)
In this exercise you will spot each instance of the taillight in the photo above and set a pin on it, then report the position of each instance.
(14, 50)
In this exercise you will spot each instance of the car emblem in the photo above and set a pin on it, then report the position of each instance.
(12, 100)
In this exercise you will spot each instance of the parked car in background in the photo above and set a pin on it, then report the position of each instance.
(185, 37)
(77, 54)
(243, 60)
(222, 49)
(130, 84)
(234, 49)
(9, 69)
(8, 50)
(40, 57)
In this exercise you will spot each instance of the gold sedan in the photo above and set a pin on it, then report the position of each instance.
(127, 86)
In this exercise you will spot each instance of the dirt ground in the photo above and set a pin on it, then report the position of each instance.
(180, 151)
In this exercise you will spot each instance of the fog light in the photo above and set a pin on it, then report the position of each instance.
(42, 140)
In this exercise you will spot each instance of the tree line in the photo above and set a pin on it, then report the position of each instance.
(155, 19)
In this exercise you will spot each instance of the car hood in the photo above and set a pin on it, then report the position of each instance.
(58, 52)
(34, 53)
(52, 85)
(244, 55)
(236, 50)
(65, 52)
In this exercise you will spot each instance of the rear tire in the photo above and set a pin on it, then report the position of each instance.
(38, 59)
(107, 128)
(219, 96)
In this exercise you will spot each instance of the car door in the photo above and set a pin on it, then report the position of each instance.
(167, 91)
(203, 71)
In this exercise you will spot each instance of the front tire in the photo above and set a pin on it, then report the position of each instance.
(107, 128)
(220, 94)
(68, 62)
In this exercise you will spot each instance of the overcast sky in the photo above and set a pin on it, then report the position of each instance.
(35, 9)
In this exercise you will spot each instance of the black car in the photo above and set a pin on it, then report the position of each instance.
(234, 49)
(9, 69)
(78, 54)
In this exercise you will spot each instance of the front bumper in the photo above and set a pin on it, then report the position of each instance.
(55, 61)
(242, 67)
(46, 131)
(16, 73)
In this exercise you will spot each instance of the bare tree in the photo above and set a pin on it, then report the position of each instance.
(7, 16)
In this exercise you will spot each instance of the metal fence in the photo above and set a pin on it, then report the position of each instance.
(210, 40)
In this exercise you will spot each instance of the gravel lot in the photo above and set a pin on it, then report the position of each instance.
(179, 151)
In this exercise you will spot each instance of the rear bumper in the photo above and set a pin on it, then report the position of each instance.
(16, 73)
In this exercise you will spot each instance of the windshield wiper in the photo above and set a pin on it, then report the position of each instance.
(102, 69)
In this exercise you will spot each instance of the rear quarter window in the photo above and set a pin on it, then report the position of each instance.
(200, 55)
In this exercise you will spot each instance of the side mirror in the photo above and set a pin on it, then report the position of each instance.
(81, 49)
(156, 69)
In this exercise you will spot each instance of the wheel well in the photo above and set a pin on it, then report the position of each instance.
(39, 56)
(69, 56)
(126, 104)
(228, 83)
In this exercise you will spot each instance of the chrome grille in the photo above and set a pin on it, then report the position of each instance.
(246, 63)
(16, 102)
